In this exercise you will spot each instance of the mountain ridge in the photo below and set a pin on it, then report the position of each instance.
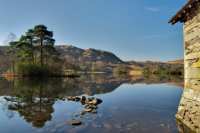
(89, 58)
(85, 55)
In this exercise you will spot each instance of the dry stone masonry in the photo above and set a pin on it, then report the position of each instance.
(189, 108)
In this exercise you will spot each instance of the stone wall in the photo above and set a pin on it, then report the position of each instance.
(189, 108)
(192, 46)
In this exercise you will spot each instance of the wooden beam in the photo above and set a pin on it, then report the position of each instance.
(182, 14)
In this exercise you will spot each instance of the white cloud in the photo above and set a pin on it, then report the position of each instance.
(9, 38)
(152, 9)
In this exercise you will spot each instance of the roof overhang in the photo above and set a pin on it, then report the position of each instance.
(183, 14)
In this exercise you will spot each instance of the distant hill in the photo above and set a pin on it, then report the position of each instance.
(71, 53)
(74, 57)
(144, 63)
(93, 60)
(154, 67)
(181, 61)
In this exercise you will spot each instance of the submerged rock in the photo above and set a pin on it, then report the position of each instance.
(94, 111)
(75, 122)
(82, 113)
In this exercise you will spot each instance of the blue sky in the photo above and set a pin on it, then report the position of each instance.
(132, 29)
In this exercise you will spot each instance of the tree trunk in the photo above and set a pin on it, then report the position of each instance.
(41, 52)
(32, 54)
(13, 67)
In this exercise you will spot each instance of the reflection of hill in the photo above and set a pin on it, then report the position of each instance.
(153, 79)
(92, 85)
(89, 85)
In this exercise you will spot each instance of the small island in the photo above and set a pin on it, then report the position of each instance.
(34, 54)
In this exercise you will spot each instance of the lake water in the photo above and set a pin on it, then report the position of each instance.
(139, 105)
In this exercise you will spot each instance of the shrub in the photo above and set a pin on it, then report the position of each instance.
(33, 70)
(121, 70)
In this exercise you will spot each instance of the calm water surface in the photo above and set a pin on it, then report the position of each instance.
(129, 105)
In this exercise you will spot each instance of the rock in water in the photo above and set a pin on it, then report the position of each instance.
(71, 98)
(99, 101)
(75, 122)
(95, 101)
(77, 99)
(83, 98)
(88, 110)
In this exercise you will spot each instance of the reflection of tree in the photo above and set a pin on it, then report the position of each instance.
(37, 112)
(34, 100)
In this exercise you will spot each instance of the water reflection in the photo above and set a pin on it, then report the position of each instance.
(33, 99)
(36, 100)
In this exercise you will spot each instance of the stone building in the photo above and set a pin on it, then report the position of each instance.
(189, 108)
